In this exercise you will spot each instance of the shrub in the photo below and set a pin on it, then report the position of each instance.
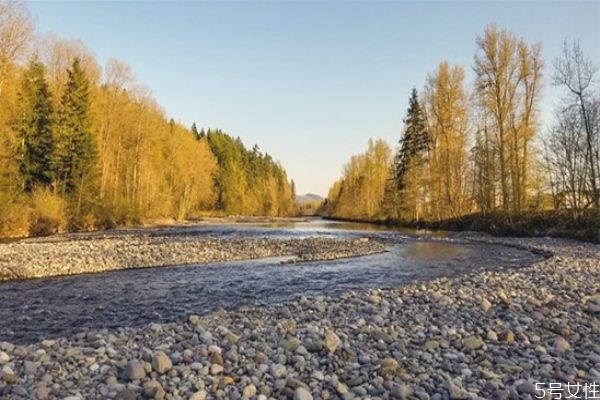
(14, 217)
(48, 213)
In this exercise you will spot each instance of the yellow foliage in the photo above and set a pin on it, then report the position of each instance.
(48, 213)
(360, 192)
(446, 111)
(14, 217)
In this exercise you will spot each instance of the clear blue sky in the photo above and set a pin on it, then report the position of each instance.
(309, 82)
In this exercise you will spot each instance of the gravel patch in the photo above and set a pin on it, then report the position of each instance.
(55, 256)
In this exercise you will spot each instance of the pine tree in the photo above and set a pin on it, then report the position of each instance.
(414, 142)
(33, 127)
(76, 153)
(195, 132)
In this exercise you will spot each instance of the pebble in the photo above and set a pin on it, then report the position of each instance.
(154, 390)
(302, 394)
(30, 367)
(332, 341)
(561, 345)
(199, 395)
(508, 336)
(161, 363)
(42, 392)
(135, 370)
(278, 371)
(216, 369)
(473, 343)
(485, 305)
(249, 391)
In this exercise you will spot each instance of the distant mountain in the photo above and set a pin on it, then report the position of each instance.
(308, 198)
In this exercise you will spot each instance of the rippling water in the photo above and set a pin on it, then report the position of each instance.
(44, 308)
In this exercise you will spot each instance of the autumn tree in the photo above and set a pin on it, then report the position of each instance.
(191, 187)
(33, 127)
(484, 166)
(446, 109)
(58, 54)
(360, 193)
(115, 113)
(507, 89)
(248, 182)
(16, 33)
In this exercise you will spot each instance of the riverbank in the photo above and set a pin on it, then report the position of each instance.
(487, 335)
(81, 254)
(161, 223)
(581, 225)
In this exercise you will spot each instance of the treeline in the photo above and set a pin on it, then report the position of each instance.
(249, 182)
(478, 148)
(84, 147)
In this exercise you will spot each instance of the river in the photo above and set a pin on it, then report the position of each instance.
(38, 309)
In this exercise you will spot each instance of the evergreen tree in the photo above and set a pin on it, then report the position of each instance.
(194, 130)
(414, 142)
(76, 150)
(33, 127)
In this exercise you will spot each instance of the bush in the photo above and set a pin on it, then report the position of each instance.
(567, 223)
(14, 217)
(48, 213)
(104, 218)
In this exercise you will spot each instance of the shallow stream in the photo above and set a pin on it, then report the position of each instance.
(44, 308)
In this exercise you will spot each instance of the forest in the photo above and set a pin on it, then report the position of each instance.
(87, 147)
(479, 151)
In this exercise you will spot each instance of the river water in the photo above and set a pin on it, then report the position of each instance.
(44, 308)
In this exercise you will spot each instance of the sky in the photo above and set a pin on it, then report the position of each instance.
(308, 81)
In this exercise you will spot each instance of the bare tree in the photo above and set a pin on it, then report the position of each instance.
(58, 54)
(16, 33)
(574, 71)
(567, 160)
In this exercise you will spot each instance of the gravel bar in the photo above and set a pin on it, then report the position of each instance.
(42, 258)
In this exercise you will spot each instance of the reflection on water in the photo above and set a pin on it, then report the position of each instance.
(43, 308)
(434, 250)
(317, 224)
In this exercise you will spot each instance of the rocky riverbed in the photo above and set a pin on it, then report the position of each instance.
(485, 335)
(55, 256)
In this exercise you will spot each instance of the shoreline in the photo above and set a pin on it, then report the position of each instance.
(489, 334)
(555, 224)
(167, 223)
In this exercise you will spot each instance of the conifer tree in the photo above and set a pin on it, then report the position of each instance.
(33, 127)
(76, 152)
(414, 142)
(195, 132)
